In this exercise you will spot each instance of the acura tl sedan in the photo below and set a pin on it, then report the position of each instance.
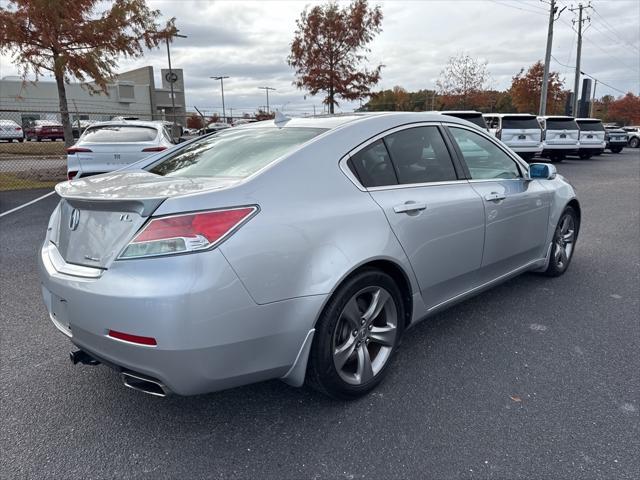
(294, 249)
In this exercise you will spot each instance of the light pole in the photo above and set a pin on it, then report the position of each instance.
(266, 89)
(221, 78)
(171, 79)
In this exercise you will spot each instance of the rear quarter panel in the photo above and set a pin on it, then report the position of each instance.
(314, 226)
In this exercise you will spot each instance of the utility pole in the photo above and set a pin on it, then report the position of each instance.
(221, 78)
(266, 89)
(172, 79)
(547, 57)
(576, 83)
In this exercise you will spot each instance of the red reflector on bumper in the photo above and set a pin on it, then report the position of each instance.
(127, 337)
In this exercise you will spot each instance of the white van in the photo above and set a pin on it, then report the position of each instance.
(469, 115)
(519, 131)
(592, 141)
(560, 137)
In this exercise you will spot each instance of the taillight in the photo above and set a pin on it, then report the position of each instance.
(128, 337)
(72, 174)
(191, 232)
(72, 150)
(499, 134)
(18, 129)
(154, 149)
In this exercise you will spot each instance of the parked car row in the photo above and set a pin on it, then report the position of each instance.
(553, 136)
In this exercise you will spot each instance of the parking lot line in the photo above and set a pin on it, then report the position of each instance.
(19, 207)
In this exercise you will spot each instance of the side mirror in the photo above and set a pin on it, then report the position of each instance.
(543, 171)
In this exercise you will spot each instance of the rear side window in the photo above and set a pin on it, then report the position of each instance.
(233, 153)
(372, 165)
(119, 134)
(420, 155)
(591, 125)
(561, 124)
(520, 123)
(484, 159)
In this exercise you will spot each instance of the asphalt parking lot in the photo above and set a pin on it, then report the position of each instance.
(538, 378)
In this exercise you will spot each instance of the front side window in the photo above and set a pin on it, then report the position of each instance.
(484, 159)
(233, 153)
(420, 156)
(372, 166)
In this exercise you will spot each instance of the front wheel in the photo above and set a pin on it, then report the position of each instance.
(356, 336)
(634, 142)
(564, 243)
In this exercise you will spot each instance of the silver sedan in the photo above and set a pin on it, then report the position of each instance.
(298, 249)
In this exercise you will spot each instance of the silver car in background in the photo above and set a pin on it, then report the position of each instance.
(107, 146)
(298, 249)
(10, 131)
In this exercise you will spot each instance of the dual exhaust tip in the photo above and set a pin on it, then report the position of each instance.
(133, 380)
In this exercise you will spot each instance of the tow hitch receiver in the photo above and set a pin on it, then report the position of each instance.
(83, 357)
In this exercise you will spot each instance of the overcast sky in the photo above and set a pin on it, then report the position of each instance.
(250, 40)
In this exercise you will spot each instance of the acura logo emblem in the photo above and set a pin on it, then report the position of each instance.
(74, 220)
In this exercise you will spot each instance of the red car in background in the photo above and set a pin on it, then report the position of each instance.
(39, 130)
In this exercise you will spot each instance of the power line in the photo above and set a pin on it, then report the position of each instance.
(605, 84)
(518, 8)
(609, 27)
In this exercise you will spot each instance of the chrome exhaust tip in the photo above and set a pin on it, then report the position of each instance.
(144, 384)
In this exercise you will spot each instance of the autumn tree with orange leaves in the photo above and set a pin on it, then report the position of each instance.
(526, 87)
(79, 39)
(329, 47)
(625, 110)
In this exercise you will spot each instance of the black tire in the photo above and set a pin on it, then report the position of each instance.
(584, 155)
(556, 158)
(557, 264)
(322, 374)
(616, 149)
(634, 142)
(527, 157)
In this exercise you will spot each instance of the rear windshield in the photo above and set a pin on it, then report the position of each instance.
(475, 118)
(235, 153)
(561, 124)
(520, 122)
(119, 133)
(591, 125)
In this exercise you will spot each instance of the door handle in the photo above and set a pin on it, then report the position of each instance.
(494, 197)
(409, 207)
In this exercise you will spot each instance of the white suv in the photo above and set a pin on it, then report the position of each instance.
(108, 146)
(519, 131)
(633, 133)
(560, 137)
(592, 141)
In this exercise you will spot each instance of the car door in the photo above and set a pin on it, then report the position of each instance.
(437, 217)
(516, 208)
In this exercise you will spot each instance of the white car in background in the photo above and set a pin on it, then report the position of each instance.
(561, 137)
(108, 146)
(521, 132)
(10, 131)
(633, 135)
(592, 141)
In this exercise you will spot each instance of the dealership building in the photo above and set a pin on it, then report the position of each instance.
(130, 94)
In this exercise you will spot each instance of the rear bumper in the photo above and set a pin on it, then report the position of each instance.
(210, 334)
(592, 146)
(525, 149)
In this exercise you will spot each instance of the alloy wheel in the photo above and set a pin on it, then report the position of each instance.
(564, 241)
(365, 335)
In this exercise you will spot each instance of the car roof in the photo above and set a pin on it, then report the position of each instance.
(588, 120)
(6, 120)
(558, 117)
(330, 122)
(460, 112)
(508, 115)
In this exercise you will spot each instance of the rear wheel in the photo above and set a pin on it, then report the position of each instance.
(356, 336)
(556, 157)
(526, 156)
(564, 242)
(584, 155)
(616, 149)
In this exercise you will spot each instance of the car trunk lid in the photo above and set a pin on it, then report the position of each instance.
(99, 215)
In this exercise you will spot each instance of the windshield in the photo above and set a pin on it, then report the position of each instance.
(520, 123)
(561, 124)
(591, 125)
(233, 153)
(119, 134)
